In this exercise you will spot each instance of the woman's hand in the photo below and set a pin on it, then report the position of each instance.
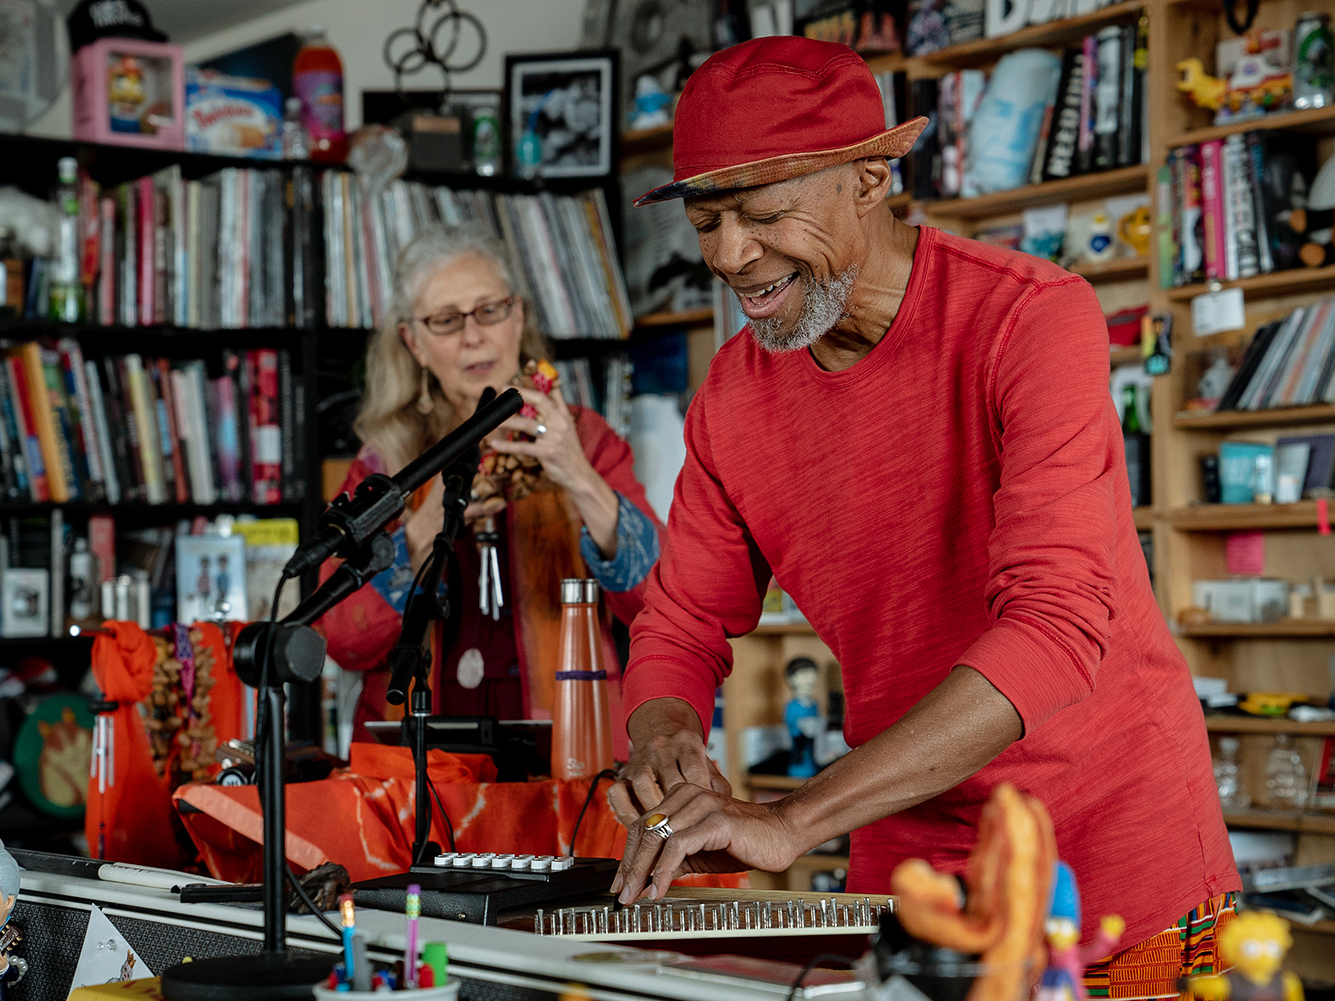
(422, 526)
(711, 832)
(557, 446)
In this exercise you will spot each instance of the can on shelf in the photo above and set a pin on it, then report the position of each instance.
(1313, 65)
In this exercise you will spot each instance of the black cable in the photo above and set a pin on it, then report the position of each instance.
(310, 904)
(824, 957)
(449, 827)
(606, 773)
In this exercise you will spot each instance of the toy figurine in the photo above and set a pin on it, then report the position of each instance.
(802, 715)
(1255, 85)
(1064, 979)
(12, 968)
(1253, 944)
(651, 104)
(126, 95)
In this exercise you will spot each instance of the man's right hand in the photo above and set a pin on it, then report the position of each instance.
(669, 749)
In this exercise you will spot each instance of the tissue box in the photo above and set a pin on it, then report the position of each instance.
(129, 92)
(1250, 599)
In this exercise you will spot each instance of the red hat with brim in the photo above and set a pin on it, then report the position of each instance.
(775, 108)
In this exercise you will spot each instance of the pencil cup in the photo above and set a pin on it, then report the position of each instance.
(449, 991)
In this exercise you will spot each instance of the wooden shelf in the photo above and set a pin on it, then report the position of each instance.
(1122, 181)
(1258, 724)
(1122, 269)
(1274, 417)
(817, 862)
(1283, 629)
(1325, 927)
(783, 629)
(1276, 283)
(1282, 820)
(647, 140)
(684, 318)
(987, 49)
(1311, 120)
(1240, 517)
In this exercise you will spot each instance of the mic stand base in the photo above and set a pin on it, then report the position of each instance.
(268, 976)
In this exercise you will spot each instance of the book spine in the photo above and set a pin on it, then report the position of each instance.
(172, 430)
(26, 416)
(1241, 209)
(44, 421)
(102, 544)
(146, 226)
(146, 420)
(1084, 157)
(125, 443)
(1107, 97)
(1212, 210)
(1061, 157)
(106, 279)
(72, 457)
(1255, 157)
(229, 439)
(129, 254)
(291, 473)
(23, 490)
(266, 442)
(102, 432)
(81, 417)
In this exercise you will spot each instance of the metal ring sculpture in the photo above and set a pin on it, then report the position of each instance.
(410, 50)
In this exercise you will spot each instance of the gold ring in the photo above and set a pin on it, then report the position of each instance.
(657, 823)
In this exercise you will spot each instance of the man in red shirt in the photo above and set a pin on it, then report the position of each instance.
(917, 440)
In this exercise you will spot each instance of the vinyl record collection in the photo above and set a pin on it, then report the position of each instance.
(564, 244)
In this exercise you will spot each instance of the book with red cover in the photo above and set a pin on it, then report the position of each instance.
(266, 437)
(146, 229)
(102, 544)
(1213, 208)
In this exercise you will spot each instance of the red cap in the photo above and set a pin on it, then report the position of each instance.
(775, 108)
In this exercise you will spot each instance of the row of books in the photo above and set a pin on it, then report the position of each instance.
(230, 250)
(564, 243)
(1094, 118)
(1230, 201)
(129, 429)
(612, 398)
(1290, 362)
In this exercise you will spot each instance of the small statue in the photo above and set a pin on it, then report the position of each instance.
(1064, 979)
(802, 715)
(1253, 944)
(651, 104)
(1255, 85)
(12, 968)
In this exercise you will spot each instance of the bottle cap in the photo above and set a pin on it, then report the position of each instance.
(579, 591)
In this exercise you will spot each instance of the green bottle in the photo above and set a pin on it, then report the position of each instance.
(67, 299)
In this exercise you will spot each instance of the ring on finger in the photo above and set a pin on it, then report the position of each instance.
(657, 823)
(542, 429)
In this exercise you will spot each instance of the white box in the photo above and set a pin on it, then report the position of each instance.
(1245, 599)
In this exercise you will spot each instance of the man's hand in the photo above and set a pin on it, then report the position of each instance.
(669, 750)
(711, 832)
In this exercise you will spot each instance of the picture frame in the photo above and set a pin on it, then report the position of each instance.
(562, 115)
(210, 578)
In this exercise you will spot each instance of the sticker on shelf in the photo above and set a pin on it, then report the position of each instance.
(1216, 312)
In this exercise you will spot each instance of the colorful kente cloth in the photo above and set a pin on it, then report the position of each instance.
(1154, 968)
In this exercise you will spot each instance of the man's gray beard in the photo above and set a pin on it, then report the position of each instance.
(822, 307)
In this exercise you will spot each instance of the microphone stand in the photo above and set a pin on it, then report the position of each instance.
(295, 652)
(410, 657)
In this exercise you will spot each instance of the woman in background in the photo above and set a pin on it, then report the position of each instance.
(458, 325)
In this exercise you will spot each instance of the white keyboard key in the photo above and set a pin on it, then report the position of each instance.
(483, 861)
(446, 858)
(464, 860)
(521, 862)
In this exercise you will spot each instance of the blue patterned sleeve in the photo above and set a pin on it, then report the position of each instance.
(637, 549)
(393, 584)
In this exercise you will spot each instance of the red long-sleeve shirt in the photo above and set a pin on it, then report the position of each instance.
(957, 497)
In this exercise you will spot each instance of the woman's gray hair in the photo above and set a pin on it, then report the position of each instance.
(437, 247)
(9, 875)
(389, 420)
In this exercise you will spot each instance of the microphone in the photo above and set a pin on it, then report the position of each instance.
(379, 499)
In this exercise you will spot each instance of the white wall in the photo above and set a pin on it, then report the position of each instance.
(358, 29)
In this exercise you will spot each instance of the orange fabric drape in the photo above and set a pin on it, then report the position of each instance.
(362, 818)
(131, 820)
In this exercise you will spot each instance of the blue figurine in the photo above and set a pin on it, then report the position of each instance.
(1064, 979)
(802, 716)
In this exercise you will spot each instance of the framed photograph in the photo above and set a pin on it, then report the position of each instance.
(561, 114)
(210, 578)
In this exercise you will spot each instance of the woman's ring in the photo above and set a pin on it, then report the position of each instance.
(657, 823)
(542, 429)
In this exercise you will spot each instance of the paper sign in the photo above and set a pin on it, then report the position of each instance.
(1215, 312)
(1245, 552)
(106, 957)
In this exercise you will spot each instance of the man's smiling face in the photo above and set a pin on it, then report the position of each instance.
(789, 250)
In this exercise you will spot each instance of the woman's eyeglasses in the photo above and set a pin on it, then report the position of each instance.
(489, 313)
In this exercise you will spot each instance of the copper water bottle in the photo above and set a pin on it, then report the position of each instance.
(582, 722)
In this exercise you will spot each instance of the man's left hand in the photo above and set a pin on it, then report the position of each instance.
(710, 833)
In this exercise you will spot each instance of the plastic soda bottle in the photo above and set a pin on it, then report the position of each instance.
(317, 78)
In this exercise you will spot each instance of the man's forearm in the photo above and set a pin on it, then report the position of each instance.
(955, 730)
(662, 717)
